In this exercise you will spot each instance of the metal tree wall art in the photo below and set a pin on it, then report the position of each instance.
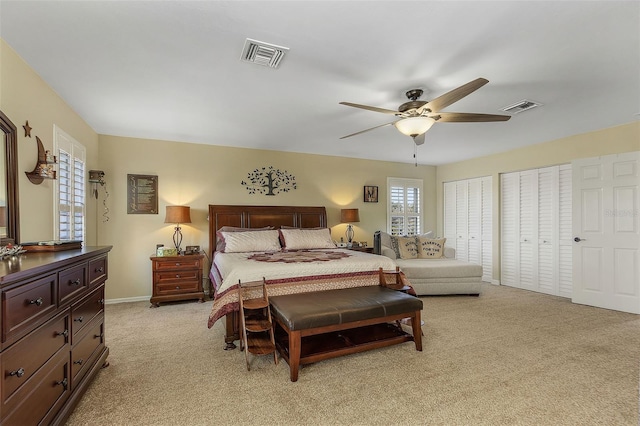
(269, 181)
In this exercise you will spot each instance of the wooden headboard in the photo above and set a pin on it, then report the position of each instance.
(261, 216)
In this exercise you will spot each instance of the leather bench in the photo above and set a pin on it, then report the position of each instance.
(319, 325)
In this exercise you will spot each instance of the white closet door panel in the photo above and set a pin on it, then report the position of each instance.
(565, 240)
(487, 228)
(547, 213)
(462, 213)
(487, 261)
(528, 229)
(509, 229)
(450, 213)
(487, 209)
(509, 274)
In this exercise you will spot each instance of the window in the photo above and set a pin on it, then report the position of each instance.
(404, 206)
(69, 208)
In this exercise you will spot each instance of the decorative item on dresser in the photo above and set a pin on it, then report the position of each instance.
(53, 332)
(177, 278)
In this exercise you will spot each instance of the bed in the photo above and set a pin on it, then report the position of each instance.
(287, 271)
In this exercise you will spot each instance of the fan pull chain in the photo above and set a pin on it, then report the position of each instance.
(415, 154)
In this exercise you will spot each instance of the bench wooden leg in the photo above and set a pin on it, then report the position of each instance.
(417, 330)
(295, 344)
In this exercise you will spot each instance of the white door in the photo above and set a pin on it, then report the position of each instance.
(606, 255)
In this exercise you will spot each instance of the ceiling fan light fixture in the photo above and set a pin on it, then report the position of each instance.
(414, 126)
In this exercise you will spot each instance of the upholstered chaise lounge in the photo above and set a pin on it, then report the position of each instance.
(433, 276)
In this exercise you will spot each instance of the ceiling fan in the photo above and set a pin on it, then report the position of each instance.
(416, 117)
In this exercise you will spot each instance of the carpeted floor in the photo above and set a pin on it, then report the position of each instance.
(508, 357)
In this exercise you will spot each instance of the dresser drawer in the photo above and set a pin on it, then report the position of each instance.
(27, 305)
(172, 263)
(72, 282)
(97, 271)
(85, 351)
(39, 400)
(83, 311)
(176, 287)
(23, 359)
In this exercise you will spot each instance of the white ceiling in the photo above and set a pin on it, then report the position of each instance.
(171, 70)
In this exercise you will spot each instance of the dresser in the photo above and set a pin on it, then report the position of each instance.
(177, 278)
(52, 332)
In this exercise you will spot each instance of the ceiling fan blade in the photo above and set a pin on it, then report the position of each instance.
(466, 117)
(454, 95)
(419, 140)
(367, 130)
(370, 108)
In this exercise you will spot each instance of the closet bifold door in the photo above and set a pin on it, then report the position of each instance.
(468, 221)
(536, 230)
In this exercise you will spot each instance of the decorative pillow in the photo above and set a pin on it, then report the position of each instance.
(220, 238)
(298, 239)
(386, 241)
(429, 248)
(404, 247)
(237, 242)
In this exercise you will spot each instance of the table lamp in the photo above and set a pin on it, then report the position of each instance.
(178, 215)
(349, 216)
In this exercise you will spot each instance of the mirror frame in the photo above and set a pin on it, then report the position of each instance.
(11, 164)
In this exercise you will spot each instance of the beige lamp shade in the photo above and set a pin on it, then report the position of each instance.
(349, 215)
(178, 214)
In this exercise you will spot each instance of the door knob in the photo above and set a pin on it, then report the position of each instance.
(578, 239)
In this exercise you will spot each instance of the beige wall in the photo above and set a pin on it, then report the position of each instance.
(25, 96)
(625, 138)
(199, 175)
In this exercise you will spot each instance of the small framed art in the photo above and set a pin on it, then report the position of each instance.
(370, 194)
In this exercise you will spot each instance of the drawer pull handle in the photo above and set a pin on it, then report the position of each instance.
(100, 301)
(178, 264)
(79, 362)
(177, 287)
(37, 302)
(98, 336)
(64, 333)
(75, 282)
(64, 382)
(18, 373)
(79, 319)
(99, 270)
(177, 275)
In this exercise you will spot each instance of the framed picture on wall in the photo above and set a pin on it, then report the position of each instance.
(142, 194)
(370, 194)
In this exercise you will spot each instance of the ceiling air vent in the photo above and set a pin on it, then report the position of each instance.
(262, 53)
(521, 106)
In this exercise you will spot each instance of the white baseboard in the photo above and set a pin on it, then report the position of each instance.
(127, 300)
(495, 282)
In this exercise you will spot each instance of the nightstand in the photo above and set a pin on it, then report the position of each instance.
(177, 278)
(363, 249)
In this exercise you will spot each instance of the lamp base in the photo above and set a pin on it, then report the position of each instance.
(177, 238)
(349, 234)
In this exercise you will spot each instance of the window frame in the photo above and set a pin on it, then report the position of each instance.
(405, 183)
(77, 152)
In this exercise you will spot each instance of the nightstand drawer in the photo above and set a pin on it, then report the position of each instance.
(177, 287)
(72, 282)
(173, 276)
(180, 262)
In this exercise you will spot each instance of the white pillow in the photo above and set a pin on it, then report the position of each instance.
(299, 239)
(237, 242)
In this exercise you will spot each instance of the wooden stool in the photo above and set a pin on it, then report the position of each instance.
(255, 319)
